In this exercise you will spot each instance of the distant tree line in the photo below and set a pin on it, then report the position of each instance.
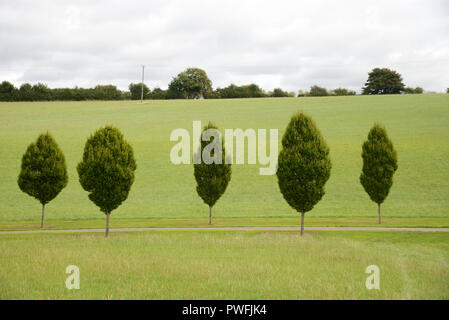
(410, 90)
(193, 83)
(230, 92)
(316, 91)
(249, 91)
(40, 92)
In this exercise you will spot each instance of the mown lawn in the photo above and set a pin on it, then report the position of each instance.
(417, 124)
(226, 265)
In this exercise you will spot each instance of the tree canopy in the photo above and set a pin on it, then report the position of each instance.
(191, 83)
(43, 172)
(107, 169)
(379, 165)
(383, 81)
(212, 179)
(304, 165)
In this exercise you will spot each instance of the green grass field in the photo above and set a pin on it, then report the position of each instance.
(417, 124)
(226, 265)
(231, 264)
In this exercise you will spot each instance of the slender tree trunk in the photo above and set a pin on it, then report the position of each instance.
(43, 215)
(107, 224)
(380, 216)
(210, 215)
(302, 223)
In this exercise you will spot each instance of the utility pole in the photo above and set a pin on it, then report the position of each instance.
(143, 78)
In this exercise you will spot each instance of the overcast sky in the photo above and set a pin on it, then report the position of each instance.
(287, 44)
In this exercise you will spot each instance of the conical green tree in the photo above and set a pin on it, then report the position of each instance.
(303, 166)
(43, 173)
(107, 170)
(212, 179)
(379, 165)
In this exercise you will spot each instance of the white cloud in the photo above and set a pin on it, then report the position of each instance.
(288, 44)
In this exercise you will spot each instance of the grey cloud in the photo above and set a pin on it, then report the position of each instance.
(288, 44)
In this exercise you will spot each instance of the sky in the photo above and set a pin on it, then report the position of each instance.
(287, 44)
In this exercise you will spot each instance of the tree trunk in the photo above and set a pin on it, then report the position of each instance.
(210, 215)
(107, 224)
(302, 223)
(380, 217)
(43, 215)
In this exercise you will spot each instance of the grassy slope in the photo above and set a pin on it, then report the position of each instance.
(226, 265)
(417, 124)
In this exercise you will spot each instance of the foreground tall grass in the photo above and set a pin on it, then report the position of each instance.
(226, 265)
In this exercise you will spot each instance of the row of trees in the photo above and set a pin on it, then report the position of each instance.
(40, 92)
(106, 171)
(108, 165)
(229, 92)
(193, 83)
(249, 91)
(304, 165)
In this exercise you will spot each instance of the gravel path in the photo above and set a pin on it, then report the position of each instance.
(232, 229)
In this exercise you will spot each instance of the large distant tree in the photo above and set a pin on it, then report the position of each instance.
(379, 165)
(107, 170)
(43, 173)
(304, 165)
(191, 83)
(212, 178)
(383, 81)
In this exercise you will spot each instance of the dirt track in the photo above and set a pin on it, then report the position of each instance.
(232, 229)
